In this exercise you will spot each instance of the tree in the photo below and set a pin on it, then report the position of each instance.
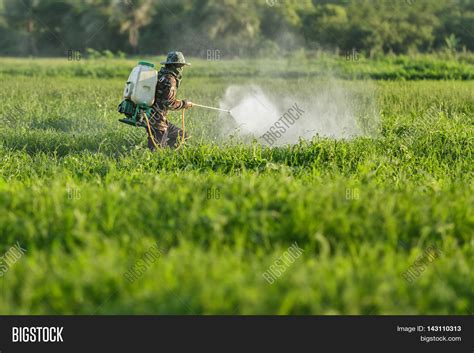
(133, 15)
(326, 26)
(227, 24)
(21, 15)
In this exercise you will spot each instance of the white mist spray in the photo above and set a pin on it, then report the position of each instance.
(330, 111)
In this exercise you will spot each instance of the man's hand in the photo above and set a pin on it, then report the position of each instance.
(188, 104)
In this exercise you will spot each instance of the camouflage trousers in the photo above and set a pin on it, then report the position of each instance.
(165, 134)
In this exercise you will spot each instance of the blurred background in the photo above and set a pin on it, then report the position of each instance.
(237, 28)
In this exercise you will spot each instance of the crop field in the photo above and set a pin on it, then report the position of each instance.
(383, 224)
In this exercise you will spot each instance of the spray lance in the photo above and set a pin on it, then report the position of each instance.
(200, 106)
(212, 108)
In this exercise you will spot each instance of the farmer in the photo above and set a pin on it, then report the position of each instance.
(169, 78)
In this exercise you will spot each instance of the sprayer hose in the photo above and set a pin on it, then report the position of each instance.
(153, 138)
(182, 125)
(149, 131)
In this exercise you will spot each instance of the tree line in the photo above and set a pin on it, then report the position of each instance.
(234, 28)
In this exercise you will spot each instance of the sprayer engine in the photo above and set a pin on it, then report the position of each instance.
(134, 114)
(139, 94)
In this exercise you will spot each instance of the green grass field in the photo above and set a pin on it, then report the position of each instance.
(88, 202)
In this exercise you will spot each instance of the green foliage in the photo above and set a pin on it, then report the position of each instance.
(87, 199)
(299, 64)
(236, 28)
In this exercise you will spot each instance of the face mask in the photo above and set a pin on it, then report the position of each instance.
(175, 71)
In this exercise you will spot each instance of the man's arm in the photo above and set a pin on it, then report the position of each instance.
(172, 102)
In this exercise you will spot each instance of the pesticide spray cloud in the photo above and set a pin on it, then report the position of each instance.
(277, 118)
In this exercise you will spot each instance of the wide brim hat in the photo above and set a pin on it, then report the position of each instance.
(175, 57)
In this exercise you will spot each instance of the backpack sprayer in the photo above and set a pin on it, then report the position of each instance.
(139, 96)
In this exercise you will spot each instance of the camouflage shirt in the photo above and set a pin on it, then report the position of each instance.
(165, 99)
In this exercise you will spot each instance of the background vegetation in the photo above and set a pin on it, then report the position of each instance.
(235, 28)
(300, 65)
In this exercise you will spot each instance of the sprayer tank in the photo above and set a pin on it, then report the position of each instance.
(141, 84)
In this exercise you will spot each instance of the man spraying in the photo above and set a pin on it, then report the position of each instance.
(161, 130)
(149, 95)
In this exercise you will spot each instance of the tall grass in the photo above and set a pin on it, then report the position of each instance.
(87, 200)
